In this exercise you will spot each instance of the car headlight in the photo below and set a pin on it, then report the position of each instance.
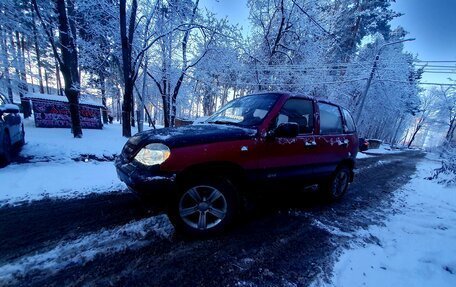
(152, 154)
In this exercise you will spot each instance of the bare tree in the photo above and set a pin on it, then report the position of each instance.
(67, 59)
(169, 91)
(448, 96)
(426, 112)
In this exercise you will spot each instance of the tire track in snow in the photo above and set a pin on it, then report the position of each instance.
(133, 235)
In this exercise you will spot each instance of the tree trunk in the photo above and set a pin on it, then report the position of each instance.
(450, 133)
(119, 110)
(141, 102)
(394, 139)
(166, 105)
(128, 73)
(133, 109)
(414, 135)
(37, 52)
(19, 65)
(29, 61)
(6, 65)
(103, 98)
(46, 80)
(26, 106)
(57, 79)
(69, 64)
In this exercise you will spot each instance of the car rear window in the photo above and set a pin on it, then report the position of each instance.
(330, 119)
(350, 126)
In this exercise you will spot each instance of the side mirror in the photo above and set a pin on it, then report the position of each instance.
(287, 130)
(9, 108)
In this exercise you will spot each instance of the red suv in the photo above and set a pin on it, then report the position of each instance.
(262, 138)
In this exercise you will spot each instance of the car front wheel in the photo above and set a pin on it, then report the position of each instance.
(204, 207)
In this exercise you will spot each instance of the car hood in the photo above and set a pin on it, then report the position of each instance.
(186, 136)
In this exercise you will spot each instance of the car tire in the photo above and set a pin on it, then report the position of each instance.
(7, 150)
(22, 141)
(337, 185)
(204, 207)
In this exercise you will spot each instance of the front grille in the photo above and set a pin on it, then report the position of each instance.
(129, 150)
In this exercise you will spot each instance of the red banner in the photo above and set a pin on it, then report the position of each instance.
(55, 114)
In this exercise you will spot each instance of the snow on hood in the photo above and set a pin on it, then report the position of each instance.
(191, 135)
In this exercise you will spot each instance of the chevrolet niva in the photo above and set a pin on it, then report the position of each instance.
(257, 139)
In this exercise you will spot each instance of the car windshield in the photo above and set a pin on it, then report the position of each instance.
(248, 111)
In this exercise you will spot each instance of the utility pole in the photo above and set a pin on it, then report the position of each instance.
(369, 80)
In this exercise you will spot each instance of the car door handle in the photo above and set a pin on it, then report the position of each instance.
(344, 143)
(311, 144)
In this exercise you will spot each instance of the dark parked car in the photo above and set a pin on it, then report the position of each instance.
(363, 144)
(256, 139)
(12, 133)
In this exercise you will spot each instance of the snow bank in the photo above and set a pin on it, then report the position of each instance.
(361, 155)
(383, 149)
(416, 247)
(26, 182)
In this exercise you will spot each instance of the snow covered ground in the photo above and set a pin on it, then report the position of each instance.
(133, 235)
(61, 179)
(361, 155)
(51, 172)
(383, 149)
(416, 246)
(58, 144)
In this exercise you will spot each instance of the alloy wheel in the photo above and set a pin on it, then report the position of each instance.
(340, 183)
(203, 207)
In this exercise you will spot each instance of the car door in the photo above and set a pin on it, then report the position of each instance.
(290, 158)
(333, 144)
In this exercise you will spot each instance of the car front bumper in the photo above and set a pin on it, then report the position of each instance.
(144, 179)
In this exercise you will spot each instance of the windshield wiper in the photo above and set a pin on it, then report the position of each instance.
(221, 122)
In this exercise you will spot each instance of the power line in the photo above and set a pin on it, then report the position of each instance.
(433, 84)
(438, 84)
(440, 71)
(441, 61)
(436, 66)
(235, 83)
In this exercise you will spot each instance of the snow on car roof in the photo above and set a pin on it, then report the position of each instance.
(84, 98)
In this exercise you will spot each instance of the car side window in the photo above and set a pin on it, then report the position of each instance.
(298, 111)
(350, 126)
(330, 119)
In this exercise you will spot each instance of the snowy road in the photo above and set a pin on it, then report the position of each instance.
(112, 238)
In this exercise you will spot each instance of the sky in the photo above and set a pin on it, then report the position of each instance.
(431, 22)
(235, 10)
